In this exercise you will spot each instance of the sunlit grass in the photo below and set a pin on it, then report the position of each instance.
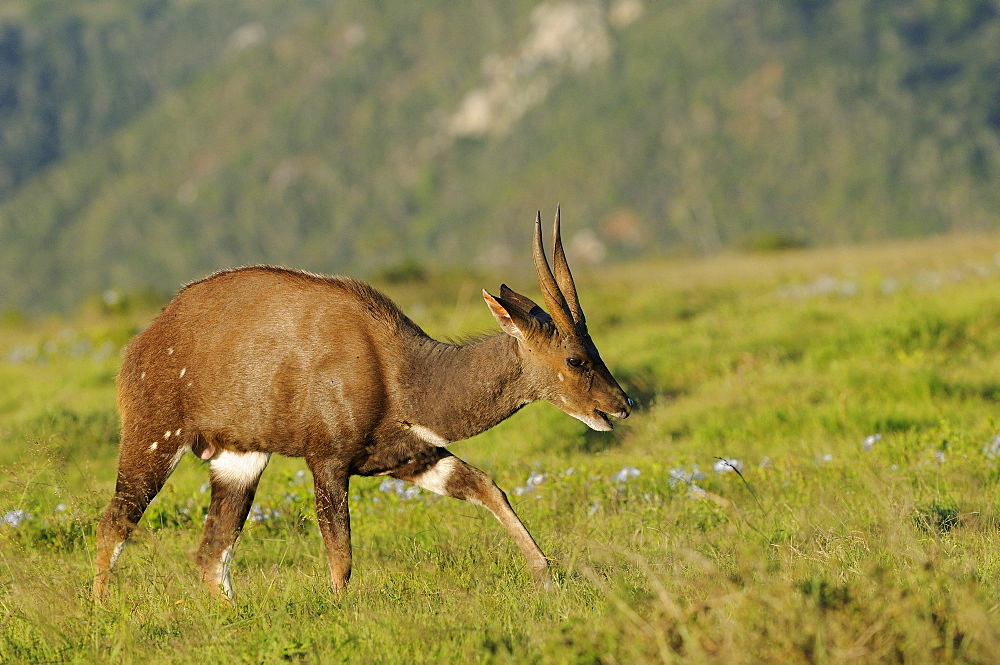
(854, 391)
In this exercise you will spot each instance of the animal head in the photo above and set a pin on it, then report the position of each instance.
(560, 357)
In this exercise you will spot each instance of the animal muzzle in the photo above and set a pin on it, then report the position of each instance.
(624, 411)
(600, 419)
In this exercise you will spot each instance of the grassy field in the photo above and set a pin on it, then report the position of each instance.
(855, 390)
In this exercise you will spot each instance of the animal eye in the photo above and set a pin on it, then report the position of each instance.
(575, 362)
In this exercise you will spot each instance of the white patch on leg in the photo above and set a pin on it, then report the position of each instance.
(117, 552)
(429, 435)
(222, 576)
(239, 469)
(435, 479)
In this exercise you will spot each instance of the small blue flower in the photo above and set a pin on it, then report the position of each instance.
(992, 449)
(627, 473)
(870, 441)
(399, 488)
(257, 513)
(696, 492)
(680, 475)
(14, 518)
(726, 464)
(391, 486)
(534, 480)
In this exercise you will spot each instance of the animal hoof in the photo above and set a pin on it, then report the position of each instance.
(543, 579)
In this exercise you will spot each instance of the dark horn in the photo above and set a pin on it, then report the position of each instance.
(563, 277)
(553, 297)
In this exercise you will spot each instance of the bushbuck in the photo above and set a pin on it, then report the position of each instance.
(261, 360)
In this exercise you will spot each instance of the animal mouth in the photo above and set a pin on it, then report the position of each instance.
(596, 420)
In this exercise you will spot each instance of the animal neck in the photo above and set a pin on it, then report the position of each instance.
(458, 391)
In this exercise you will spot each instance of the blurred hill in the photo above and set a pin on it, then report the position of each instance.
(145, 143)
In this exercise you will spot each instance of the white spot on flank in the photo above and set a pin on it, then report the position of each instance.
(170, 351)
(183, 371)
(142, 376)
(429, 435)
(153, 446)
(240, 469)
(178, 432)
(435, 479)
(166, 435)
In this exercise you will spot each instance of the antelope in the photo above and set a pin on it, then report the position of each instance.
(259, 360)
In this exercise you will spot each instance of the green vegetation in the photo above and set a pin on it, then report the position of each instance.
(144, 144)
(72, 75)
(855, 390)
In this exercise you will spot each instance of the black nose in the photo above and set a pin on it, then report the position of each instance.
(628, 408)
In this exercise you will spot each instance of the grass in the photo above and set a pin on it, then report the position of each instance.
(829, 545)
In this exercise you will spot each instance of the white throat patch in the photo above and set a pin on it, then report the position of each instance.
(429, 435)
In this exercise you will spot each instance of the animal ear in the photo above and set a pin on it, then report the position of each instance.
(524, 302)
(512, 319)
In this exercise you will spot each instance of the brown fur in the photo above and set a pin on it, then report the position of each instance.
(269, 360)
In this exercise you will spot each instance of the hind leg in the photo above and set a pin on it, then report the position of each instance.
(142, 471)
(234, 483)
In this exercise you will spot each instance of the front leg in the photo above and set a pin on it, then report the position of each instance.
(331, 481)
(451, 476)
(234, 483)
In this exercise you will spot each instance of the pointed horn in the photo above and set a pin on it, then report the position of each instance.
(553, 297)
(564, 278)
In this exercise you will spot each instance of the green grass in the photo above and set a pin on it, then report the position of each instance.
(820, 551)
